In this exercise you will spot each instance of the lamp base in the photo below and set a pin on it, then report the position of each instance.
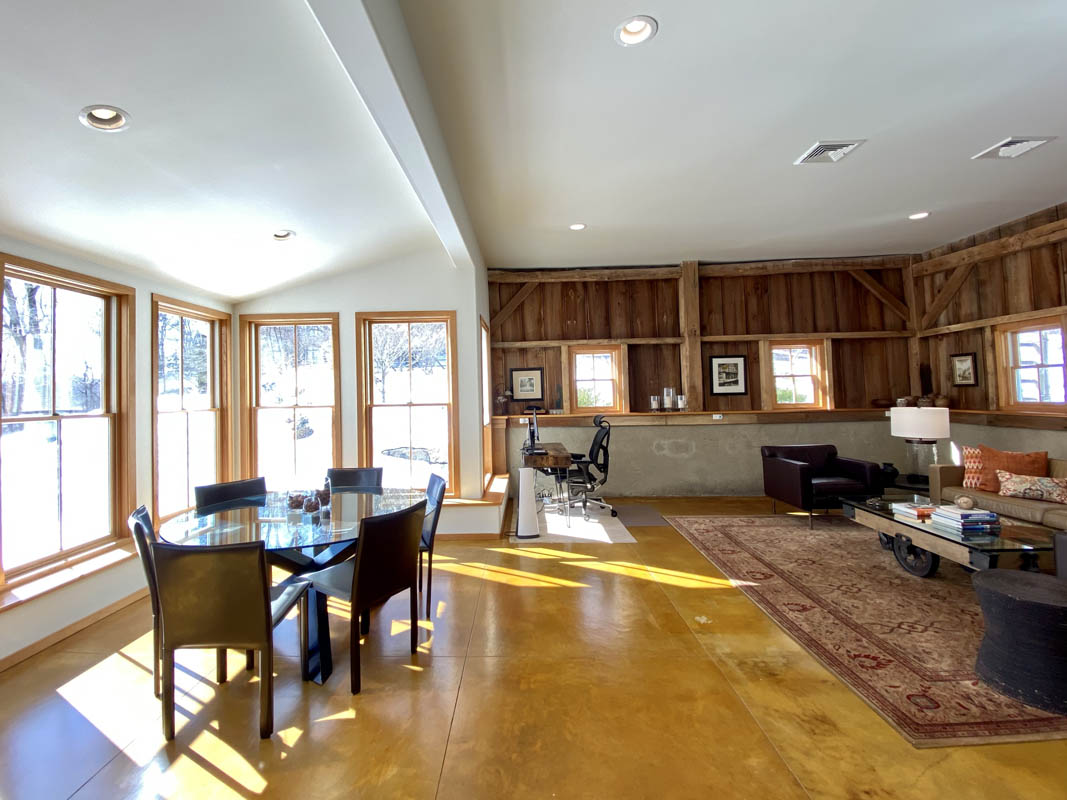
(920, 454)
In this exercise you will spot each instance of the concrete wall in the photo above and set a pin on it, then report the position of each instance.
(1019, 439)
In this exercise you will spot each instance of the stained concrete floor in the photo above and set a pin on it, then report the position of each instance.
(570, 671)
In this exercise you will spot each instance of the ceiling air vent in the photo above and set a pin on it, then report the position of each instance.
(828, 152)
(1013, 147)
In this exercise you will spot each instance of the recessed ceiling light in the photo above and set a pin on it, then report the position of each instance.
(636, 30)
(578, 226)
(284, 235)
(104, 118)
(919, 215)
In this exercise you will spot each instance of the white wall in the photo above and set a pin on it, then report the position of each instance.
(39, 618)
(426, 281)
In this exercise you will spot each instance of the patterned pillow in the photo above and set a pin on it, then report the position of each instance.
(1052, 490)
(972, 467)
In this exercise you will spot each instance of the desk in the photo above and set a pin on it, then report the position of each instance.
(555, 456)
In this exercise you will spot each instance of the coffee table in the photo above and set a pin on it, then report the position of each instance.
(919, 546)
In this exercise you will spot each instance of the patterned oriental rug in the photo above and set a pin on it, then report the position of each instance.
(906, 645)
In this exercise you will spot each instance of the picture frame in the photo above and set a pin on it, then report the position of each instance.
(527, 383)
(728, 374)
(964, 369)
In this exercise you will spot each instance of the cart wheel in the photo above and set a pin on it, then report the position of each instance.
(614, 513)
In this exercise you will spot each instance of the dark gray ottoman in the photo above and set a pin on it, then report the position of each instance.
(1024, 652)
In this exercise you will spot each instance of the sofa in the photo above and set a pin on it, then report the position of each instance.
(946, 485)
(811, 476)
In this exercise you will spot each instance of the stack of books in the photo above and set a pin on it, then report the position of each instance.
(914, 510)
(966, 522)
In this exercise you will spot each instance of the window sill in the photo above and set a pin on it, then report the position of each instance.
(64, 572)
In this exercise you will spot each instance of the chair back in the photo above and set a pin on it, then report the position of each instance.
(213, 596)
(435, 495)
(818, 456)
(387, 555)
(215, 493)
(342, 478)
(144, 536)
(598, 450)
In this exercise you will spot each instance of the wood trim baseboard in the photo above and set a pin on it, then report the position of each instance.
(43, 644)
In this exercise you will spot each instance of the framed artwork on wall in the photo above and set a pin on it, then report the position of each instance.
(527, 383)
(729, 374)
(964, 369)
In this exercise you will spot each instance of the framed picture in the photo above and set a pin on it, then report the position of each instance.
(964, 369)
(527, 383)
(729, 374)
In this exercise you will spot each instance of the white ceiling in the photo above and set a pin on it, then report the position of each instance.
(683, 147)
(242, 122)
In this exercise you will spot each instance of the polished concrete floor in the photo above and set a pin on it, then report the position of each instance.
(569, 671)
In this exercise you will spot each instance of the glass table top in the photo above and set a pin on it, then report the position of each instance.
(1014, 535)
(269, 519)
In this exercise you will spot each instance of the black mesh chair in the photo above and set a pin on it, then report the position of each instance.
(589, 473)
(250, 492)
(221, 597)
(342, 478)
(386, 563)
(435, 495)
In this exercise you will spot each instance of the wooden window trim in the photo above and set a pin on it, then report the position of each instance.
(248, 379)
(118, 392)
(485, 377)
(819, 374)
(1004, 355)
(618, 358)
(365, 385)
(220, 353)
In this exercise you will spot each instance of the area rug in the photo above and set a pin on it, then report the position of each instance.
(602, 528)
(905, 645)
(637, 515)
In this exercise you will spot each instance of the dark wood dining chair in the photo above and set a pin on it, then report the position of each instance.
(386, 564)
(214, 494)
(342, 478)
(221, 597)
(435, 495)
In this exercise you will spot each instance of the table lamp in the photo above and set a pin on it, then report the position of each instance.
(920, 428)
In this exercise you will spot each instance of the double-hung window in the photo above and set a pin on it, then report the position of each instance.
(1032, 364)
(63, 449)
(796, 369)
(595, 380)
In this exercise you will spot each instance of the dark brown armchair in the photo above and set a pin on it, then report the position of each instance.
(811, 476)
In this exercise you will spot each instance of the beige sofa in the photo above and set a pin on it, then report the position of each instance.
(946, 484)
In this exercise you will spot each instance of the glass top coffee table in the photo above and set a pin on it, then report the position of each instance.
(919, 545)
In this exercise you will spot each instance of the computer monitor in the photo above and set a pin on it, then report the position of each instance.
(533, 435)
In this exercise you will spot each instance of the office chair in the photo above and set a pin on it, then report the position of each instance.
(589, 473)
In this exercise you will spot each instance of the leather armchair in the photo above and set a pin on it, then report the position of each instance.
(811, 476)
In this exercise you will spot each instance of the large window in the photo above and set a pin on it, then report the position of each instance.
(191, 435)
(294, 395)
(1033, 364)
(64, 462)
(796, 368)
(595, 384)
(407, 396)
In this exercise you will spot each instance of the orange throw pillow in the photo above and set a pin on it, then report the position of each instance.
(972, 467)
(1035, 464)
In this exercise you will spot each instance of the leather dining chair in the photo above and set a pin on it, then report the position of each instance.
(386, 563)
(435, 495)
(342, 478)
(221, 597)
(213, 494)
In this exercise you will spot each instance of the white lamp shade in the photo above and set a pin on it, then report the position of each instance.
(919, 423)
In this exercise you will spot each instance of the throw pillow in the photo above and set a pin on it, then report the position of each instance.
(972, 467)
(1035, 464)
(1052, 490)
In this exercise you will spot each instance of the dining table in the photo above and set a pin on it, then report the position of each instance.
(297, 540)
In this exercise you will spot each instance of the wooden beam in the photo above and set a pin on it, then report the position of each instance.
(911, 299)
(915, 383)
(510, 306)
(801, 265)
(757, 337)
(1035, 237)
(989, 367)
(944, 297)
(624, 378)
(766, 377)
(559, 275)
(1022, 316)
(828, 371)
(878, 290)
(565, 377)
(583, 342)
(689, 326)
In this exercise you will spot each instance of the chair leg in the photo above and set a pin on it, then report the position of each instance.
(157, 656)
(220, 665)
(364, 622)
(811, 520)
(303, 623)
(774, 506)
(250, 660)
(266, 691)
(167, 693)
(420, 571)
(414, 619)
(353, 658)
(429, 582)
